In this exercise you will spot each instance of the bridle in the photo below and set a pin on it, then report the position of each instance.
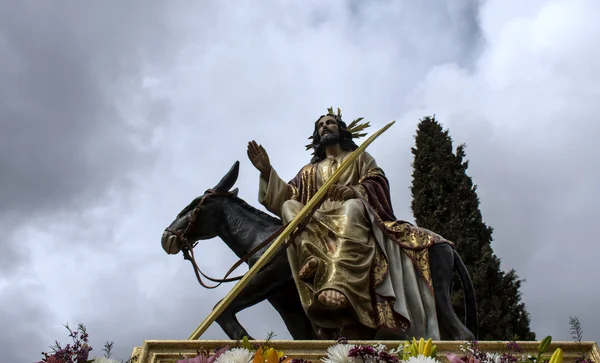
(182, 235)
(187, 248)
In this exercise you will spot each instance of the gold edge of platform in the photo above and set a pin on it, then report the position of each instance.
(595, 352)
(170, 351)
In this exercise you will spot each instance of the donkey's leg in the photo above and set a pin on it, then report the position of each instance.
(230, 325)
(441, 257)
(287, 303)
(259, 288)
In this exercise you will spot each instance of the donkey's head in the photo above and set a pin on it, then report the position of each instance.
(200, 220)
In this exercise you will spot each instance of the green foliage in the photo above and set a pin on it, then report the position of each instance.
(543, 347)
(577, 336)
(445, 201)
(108, 346)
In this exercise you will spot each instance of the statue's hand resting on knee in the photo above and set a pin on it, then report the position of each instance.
(341, 193)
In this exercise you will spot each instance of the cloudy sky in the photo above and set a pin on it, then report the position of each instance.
(114, 115)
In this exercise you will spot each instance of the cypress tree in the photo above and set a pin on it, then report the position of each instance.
(445, 201)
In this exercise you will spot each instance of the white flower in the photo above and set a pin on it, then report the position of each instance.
(235, 355)
(396, 351)
(105, 360)
(380, 348)
(421, 359)
(495, 357)
(338, 353)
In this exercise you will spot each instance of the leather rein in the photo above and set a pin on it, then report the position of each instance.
(188, 248)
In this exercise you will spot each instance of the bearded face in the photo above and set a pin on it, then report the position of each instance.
(329, 131)
(330, 138)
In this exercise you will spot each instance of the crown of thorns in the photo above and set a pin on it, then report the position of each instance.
(355, 127)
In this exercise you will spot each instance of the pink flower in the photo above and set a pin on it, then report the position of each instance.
(453, 358)
(203, 358)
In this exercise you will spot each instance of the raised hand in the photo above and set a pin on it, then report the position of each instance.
(259, 158)
(340, 193)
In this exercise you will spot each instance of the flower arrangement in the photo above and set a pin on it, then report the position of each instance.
(246, 353)
(78, 351)
(341, 352)
(420, 351)
(416, 352)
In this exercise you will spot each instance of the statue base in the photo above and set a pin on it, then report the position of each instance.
(170, 351)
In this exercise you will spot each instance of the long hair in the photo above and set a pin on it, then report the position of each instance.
(345, 139)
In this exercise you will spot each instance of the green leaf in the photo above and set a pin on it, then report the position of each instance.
(544, 345)
(246, 344)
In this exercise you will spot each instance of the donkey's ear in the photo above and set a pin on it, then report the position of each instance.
(235, 191)
(229, 179)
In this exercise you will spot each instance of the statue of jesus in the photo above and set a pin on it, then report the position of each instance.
(354, 263)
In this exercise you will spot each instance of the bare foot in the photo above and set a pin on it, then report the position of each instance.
(309, 268)
(332, 298)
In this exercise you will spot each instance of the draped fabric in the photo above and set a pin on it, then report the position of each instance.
(379, 263)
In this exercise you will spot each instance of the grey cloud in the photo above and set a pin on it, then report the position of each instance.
(24, 313)
(434, 32)
(68, 72)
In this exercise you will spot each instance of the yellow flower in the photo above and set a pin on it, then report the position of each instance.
(269, 355)
(422, 347)
(278, 353)
(258, 356)
(272, 356)
(557, 356)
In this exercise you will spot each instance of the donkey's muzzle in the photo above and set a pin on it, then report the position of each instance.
(170, 243)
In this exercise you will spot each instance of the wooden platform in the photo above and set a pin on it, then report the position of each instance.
(170, 351)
